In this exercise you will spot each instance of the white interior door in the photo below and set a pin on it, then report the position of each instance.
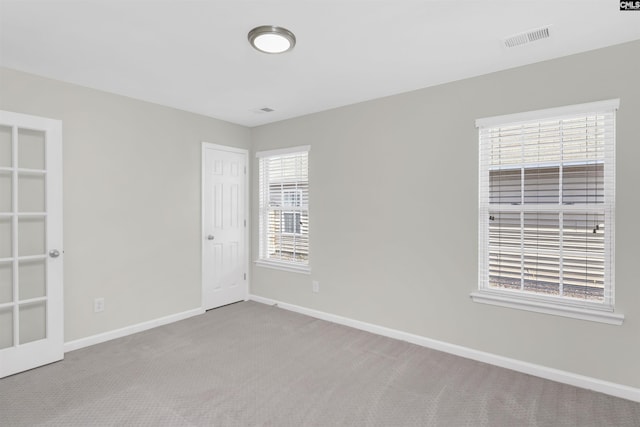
(224, 248)
(31, 317)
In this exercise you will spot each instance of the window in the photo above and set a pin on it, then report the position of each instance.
(284, 208)
(546, 216)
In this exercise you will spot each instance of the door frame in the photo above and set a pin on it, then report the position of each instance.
(247, 230)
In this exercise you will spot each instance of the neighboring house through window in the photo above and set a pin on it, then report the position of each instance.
(546, 212)
(284, 208)
(292, 220)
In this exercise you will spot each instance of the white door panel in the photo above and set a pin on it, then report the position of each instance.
(31, 256)
(224, 262)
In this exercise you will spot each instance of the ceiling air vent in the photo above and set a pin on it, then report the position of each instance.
(263, 110)
(527, 37)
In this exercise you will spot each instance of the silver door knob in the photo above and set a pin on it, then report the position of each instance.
(210, 237)
(54, 253)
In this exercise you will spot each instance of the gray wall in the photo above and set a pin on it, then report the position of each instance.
(131, 200)
(394, 196)
(393, 243)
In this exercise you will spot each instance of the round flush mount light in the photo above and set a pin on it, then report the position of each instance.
(271, 39)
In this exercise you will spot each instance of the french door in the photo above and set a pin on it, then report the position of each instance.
(31, 256)
(224, 228)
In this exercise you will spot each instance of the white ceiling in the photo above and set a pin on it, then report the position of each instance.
(194, 55)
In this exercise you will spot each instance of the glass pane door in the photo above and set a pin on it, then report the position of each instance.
(6, 238)
(23, 222)
(30, 217)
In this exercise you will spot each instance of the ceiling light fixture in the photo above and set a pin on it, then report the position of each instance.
(271, 39)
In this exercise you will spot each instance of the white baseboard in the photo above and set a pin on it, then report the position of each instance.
(565, 377)
(128, 330)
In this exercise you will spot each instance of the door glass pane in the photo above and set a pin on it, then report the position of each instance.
(5, 146)
(6, 282)
(31, 277)
(6, 327)
(5, 191)
(5, 237)
(33, 321)
(31, 232)
(31, 149)
(31, 196)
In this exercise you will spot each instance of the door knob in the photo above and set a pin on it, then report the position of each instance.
(54, 253)
(210, 237)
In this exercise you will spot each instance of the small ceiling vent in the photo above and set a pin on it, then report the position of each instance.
(263, 110)
(527, 37)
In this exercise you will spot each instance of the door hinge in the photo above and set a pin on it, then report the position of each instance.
(245, 222)
(245, 276)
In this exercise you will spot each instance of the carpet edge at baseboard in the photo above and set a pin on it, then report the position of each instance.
(129, 330)
(565, 377)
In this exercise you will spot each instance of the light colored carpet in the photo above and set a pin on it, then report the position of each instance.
(249, 364)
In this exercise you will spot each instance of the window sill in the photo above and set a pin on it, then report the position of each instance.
(547, 308)
(294, 268)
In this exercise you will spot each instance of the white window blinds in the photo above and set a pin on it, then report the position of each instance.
(284, 206)
(547, 188)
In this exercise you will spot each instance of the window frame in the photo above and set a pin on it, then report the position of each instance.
(562, 306)
(297, 209)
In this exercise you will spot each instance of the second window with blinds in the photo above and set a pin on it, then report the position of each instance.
(547, 188)
(284, 208)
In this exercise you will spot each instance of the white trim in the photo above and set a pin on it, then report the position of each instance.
(224, 148)
(295, 268)
(203, 162)
(557, 309)
(516, 118)
(577, 380)
(129, 330)
(283, 151)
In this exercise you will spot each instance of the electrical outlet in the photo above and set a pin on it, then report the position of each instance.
(98, 305)
(315, 286)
